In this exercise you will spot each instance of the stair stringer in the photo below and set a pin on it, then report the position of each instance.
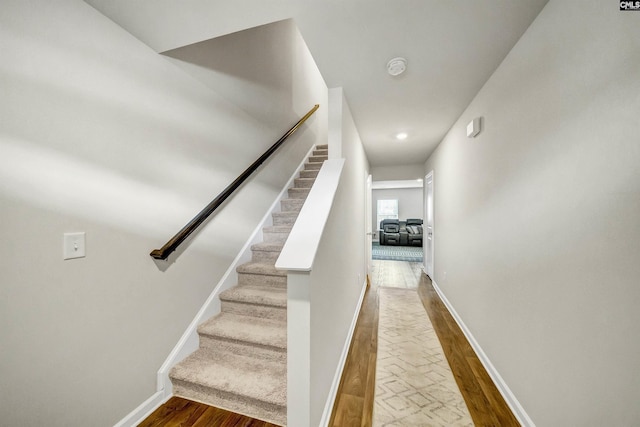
(189, 341)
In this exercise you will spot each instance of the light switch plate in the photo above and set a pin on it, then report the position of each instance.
(74, 245)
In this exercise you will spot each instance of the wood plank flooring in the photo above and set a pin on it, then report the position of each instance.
(485, 403)
(186, 413)
(354, 401)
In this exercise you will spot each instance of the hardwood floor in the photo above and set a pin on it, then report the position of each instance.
(354, 401)
(186, 413)
(485, 403)
(396, 274)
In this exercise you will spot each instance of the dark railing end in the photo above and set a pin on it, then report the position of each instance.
(157, 254)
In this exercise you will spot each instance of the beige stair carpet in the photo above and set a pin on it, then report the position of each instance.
(241, 364)
(414, 384)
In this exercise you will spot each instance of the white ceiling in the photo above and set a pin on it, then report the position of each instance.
(452, 48)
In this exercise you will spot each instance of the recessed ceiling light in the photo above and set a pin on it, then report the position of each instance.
(396, 66)
(401, 136)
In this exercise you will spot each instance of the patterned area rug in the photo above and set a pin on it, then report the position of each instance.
(414, 384)
(397, 253)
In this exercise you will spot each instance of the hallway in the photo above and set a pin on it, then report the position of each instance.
(354, 404)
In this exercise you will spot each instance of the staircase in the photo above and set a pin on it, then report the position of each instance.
(241, 364)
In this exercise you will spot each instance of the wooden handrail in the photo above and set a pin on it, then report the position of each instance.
(164, 252)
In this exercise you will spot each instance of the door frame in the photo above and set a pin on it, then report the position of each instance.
(429, 220)
(368, 203)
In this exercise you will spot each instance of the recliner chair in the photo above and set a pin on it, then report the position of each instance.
(389, 232)
(414, 232)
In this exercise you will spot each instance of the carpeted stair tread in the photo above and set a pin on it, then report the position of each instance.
(317, 159)
(309, 173)
(249, 329)
(266, 252)
(268, 246)
(304, 182)
(284, 218)
(250, 294)
(259, 379)
(286, 213)
(278, 228)
(313, 165)
(299, 193)
(260, 268)
(292, 204)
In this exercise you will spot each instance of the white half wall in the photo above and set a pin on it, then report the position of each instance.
(339, 269)
(101, 134)
(537, 236)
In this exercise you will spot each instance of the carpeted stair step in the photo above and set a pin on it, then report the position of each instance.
(322, 147)
(276, 233)
(312, 166)
(304, 182)
(266, 252)
(292, 204)
(248, 335)
(269, 302)
(317, 152)
(265, 269)
(298, 193)
(309, 173)
(265, 274)
(284, 218)
(317, 159)
(239, 383)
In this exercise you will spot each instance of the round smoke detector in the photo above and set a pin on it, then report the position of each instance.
(396, 66)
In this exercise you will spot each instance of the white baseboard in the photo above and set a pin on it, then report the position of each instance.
(328, 407)
(143, 411)
(189, 341)
(505, 391)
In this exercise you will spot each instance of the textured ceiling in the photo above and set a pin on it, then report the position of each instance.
(452, 48)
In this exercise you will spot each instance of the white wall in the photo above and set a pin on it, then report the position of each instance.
(537, 219)
(410, 204)
(409, 171)
(339, 269)
(101, 134)
(267, 72)
(256, 69)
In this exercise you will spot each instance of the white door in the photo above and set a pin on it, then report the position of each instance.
(428, 225)
(369, 229)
